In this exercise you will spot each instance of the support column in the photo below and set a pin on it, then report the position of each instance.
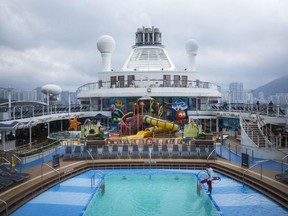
(69, 102)
(3, 135)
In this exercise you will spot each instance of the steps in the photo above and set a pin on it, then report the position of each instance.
(252, 130)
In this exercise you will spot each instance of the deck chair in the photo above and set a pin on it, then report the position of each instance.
(155, 151)
(125, 151)
(94, 152)
(184, 151)
(193, 151)
(13, 171)
(211, 149)
(14, 178)
(175, 151)
(164, 151)
(145, 152)
(77, 152)
(106, 152)
(68, 153)
(115, 152)
(202, 151)
(85, 155)
(282, 176)
(135, 151)
(5, 182)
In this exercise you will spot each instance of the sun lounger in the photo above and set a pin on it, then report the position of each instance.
(106, 152)
(184, 151)
(202, 151)
(76, 153)
(14, 178)
(115, 152)
(164, 151)
(155, 151)
(68, 153)
(85, 155)
(94, 152)
(193, 151)
(125, 151)
(175, 151)
(5, 182)
(282, 176)
(145, 151)
(135, 151)
(13, 171)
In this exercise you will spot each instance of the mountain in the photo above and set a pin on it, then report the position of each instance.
(279, 85)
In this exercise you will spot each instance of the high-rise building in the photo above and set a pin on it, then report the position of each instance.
(236, 92)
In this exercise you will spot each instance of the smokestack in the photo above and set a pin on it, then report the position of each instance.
(106, 45)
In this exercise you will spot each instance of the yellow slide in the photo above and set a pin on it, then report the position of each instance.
(160, 123)
(141, 134)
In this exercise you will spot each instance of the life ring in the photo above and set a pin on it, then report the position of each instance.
(149, 142)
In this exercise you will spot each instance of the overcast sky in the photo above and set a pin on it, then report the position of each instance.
(54, 41)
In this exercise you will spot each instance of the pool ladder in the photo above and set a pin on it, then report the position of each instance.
(199, 182)
(97, 173)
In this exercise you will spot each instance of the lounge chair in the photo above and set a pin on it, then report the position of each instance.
(155, 151)
(193, 151)
(106, 152)
(202, 151)
(68, 153)
(85, 155)
(135, 151)
(13, 171)
(184, 151)
(175, 151)
(125, 151)
(145, 152)
(14, 178)
(76, 153)
(5, 182)
(115, 152)
(164, 151)
(211, 149)
(282, 176)
(94, 152)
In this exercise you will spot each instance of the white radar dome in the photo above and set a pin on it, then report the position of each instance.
(52, 89)
(192, 45)
(106, 44)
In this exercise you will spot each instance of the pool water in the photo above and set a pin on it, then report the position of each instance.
(150, 194)
(72, 197)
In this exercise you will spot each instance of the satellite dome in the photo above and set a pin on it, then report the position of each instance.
(192, 45)
(52, 89)
(106, 44)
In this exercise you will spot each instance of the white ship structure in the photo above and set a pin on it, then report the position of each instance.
(150, 90)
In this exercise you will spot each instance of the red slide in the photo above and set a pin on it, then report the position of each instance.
(213, 179)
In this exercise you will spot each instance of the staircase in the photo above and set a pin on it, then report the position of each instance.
(252, 130)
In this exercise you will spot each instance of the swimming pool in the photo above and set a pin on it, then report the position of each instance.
(73, 196)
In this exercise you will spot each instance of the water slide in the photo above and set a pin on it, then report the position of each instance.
(161, 123)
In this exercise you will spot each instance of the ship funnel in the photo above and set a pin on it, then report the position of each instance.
(106, 45)
(191, 49)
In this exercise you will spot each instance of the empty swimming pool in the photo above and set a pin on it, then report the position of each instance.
(161, 192)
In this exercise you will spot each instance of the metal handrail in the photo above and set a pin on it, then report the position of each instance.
(256, 163)
(90, 154)
(210, 154)
(6, 206)
(5, 160)
(99, 173)
(50, 168)
(282, 165)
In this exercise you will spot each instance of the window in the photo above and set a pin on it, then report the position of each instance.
(113, 80)
(121, 81)
(176, 81)
(166, 80)
(184, 81)
(131, 80)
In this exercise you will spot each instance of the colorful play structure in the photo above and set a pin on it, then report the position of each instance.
(148, 120)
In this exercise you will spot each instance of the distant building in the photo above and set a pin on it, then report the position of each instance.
(19, 95)
(236, 92)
